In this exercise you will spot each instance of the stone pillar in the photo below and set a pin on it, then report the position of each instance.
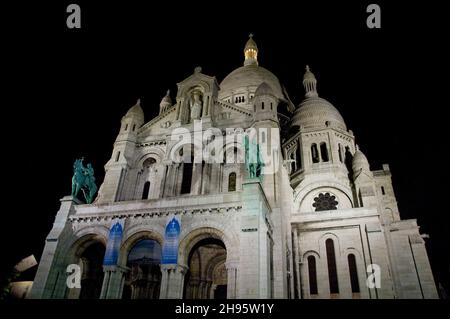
(47, 274)
(172, 281)
(113, 282)
(254, 254)
(232, 276)
(196, 179)
(297, 258)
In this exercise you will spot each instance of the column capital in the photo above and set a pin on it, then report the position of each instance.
(174, 268)
(116, 268)
(232, 264)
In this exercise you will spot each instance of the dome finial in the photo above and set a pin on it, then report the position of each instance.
(168, 92)
(309, 83)
(251, 51)
(138, 102)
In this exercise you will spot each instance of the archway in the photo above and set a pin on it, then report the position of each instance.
(91, 262)
(143, 281)
(207, 275)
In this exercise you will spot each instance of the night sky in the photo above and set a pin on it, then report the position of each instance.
(65, 92)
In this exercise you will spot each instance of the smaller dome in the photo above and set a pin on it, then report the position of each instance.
(360, 162)
(316, 112)
(264, 89)
(136, 111)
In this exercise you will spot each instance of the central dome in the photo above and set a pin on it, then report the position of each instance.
(248, 78)
(241, 84)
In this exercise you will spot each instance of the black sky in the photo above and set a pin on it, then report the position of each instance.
(65, 92)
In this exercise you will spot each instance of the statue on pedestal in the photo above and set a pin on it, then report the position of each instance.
(83, 178)
(196, 105)
(253, 158)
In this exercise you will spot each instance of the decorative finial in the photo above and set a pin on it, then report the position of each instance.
(310, 83)
(168, 92)
(250, 35)
(138, 102)
(198, 69)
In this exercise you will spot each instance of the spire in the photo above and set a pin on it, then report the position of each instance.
(251, 52)
(309, 83)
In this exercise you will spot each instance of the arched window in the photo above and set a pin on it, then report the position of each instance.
(324, 152)
(143, 281)
(353, 273)
(134, 127)
(262, 105)
(126, 127)
(232, 182)
(146, 190)
(298, 156)
(340, 153)
(315, 153)
(187, 176)
(383, 192)
(117, 156)
(332, 270)
(312, 272)
(271, 105)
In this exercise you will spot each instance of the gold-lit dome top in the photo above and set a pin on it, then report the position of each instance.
(251, 52)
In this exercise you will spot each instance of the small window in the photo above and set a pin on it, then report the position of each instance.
(332, 268)
(315, 153)
(353, 273)
(382, 190)
(324, 152)
(134, 127)
(312, 272)
(271, 105)
(340, 153)
(232, 182)
(126, 127)
(263, 137)
(146, 190)
(117, 156)
(262, 105)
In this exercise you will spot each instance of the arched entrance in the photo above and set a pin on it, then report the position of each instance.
(91, 263)
(143, 281)
(207, 275)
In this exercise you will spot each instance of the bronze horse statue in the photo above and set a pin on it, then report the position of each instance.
(83, 178)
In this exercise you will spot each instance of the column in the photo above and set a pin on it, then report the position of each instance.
(231, 267)
(113, 282)
(172, 281)
(297, 258)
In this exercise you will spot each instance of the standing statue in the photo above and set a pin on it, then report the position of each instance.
(83, 178)
(253, 159)
(196, 105)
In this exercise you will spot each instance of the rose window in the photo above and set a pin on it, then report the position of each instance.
(325, 201)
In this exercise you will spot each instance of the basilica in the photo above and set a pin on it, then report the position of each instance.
(184, 211)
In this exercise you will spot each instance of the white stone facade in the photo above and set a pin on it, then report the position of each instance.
(267, 237)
